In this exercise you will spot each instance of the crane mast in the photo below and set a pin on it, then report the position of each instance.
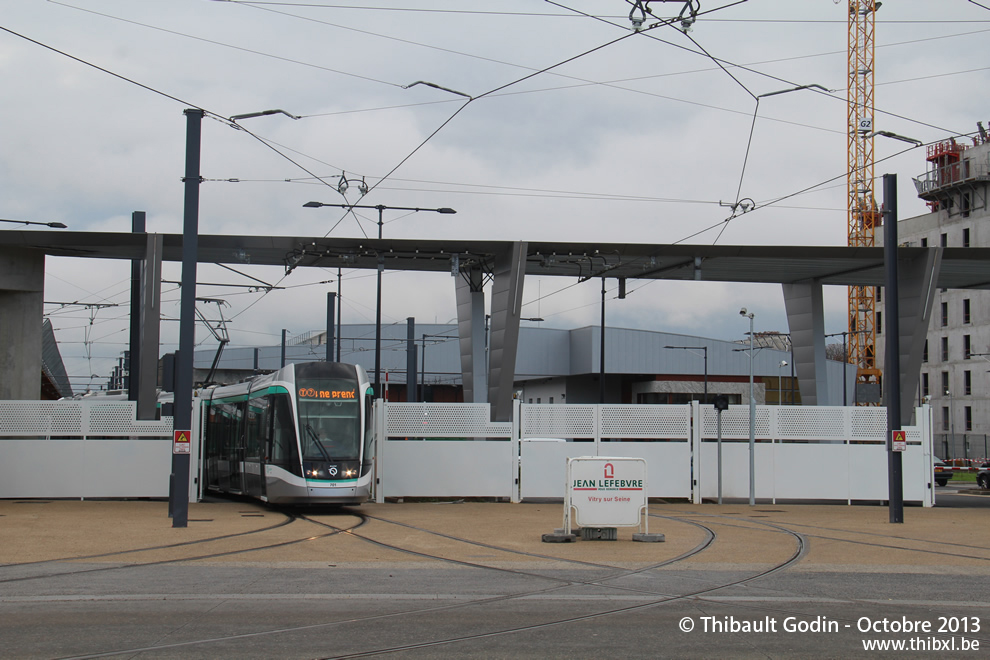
(863, 214)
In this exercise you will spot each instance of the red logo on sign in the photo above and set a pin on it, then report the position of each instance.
(609, 471)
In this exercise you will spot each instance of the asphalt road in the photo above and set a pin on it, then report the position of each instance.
(474, 580)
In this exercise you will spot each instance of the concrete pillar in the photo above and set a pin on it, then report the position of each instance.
(22, 290)
(471, 333)
(503, 341)
(916, 284)
(146, 371)
(806, 318)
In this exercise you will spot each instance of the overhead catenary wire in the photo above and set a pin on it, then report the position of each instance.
(702, 202)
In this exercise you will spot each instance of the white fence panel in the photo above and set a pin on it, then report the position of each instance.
(82, 449)
(452, 468)
(660, 434)
(809, 453)
(543, 466)
(477, 458)
(443, 420)
(668, 465)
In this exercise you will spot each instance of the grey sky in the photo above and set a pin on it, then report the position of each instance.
(641, 140)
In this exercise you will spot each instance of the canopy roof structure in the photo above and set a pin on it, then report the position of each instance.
(961, 268)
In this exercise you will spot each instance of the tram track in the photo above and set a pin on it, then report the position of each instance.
(800, 539)
(885, 546)
(801, 547)
(163, 562)
(705, 544)
(664, 599)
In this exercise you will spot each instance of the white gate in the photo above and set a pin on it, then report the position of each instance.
(82, 448)
(810, 452)
(443, 450)
(550, 434)
(95, 448)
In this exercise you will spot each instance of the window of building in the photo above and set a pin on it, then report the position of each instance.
(551, 399)
(924, 385)
(924, 354)
(879, 294)
(945, 418)
(945, 313)
(968, 383)
(945, 349)
(967, 346)
(967, 311)
(944, 240)
(879, 324)
(966, 235)
(945, 382)
(924, 242)
(969, 418)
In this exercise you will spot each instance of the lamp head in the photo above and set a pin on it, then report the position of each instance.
(446, 210)
(312, 205)
(742, 312)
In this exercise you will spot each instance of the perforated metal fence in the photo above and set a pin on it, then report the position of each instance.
(810, 453)
(82, 449)
(97, 449)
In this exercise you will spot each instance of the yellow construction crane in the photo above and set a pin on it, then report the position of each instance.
(863, 214)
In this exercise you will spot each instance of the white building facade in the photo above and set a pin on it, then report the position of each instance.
(955, 373)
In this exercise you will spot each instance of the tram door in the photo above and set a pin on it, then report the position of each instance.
(235, 451)
(256, 425)
(228, 432)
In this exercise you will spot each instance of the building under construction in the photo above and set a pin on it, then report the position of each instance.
(955, 373)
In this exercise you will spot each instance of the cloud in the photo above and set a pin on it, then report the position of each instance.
(639, 141)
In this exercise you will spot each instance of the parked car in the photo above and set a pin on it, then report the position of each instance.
(983, 477)
(942, 472)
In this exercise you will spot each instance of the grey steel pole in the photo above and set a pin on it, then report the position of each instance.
(718, 425)
(378, 314)
(182, 420)
(340, 306)
(845, 364)
(412, 379)
(601, 352)
(705, 349)
(282, 362)
(752, 421)
(137, 227)
(331, 300)
(892, 366)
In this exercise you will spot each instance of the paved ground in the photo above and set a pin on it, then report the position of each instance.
(473, 579)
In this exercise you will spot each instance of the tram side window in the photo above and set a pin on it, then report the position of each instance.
(284, 450)
(231, 419)
(257, 422)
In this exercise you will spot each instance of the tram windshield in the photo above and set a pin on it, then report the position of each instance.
(329, 419)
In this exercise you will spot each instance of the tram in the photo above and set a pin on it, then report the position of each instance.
(300, 435)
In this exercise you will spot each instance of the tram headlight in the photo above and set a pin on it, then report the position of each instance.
(350, 474)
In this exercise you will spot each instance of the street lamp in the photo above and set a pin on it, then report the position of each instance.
(780, 381)
(697, 348)
(55, 225)
(381, 266)
(752, 414)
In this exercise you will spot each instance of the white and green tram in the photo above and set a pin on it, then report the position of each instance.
(300, 435)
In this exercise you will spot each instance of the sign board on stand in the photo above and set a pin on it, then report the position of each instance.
(606, 492)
